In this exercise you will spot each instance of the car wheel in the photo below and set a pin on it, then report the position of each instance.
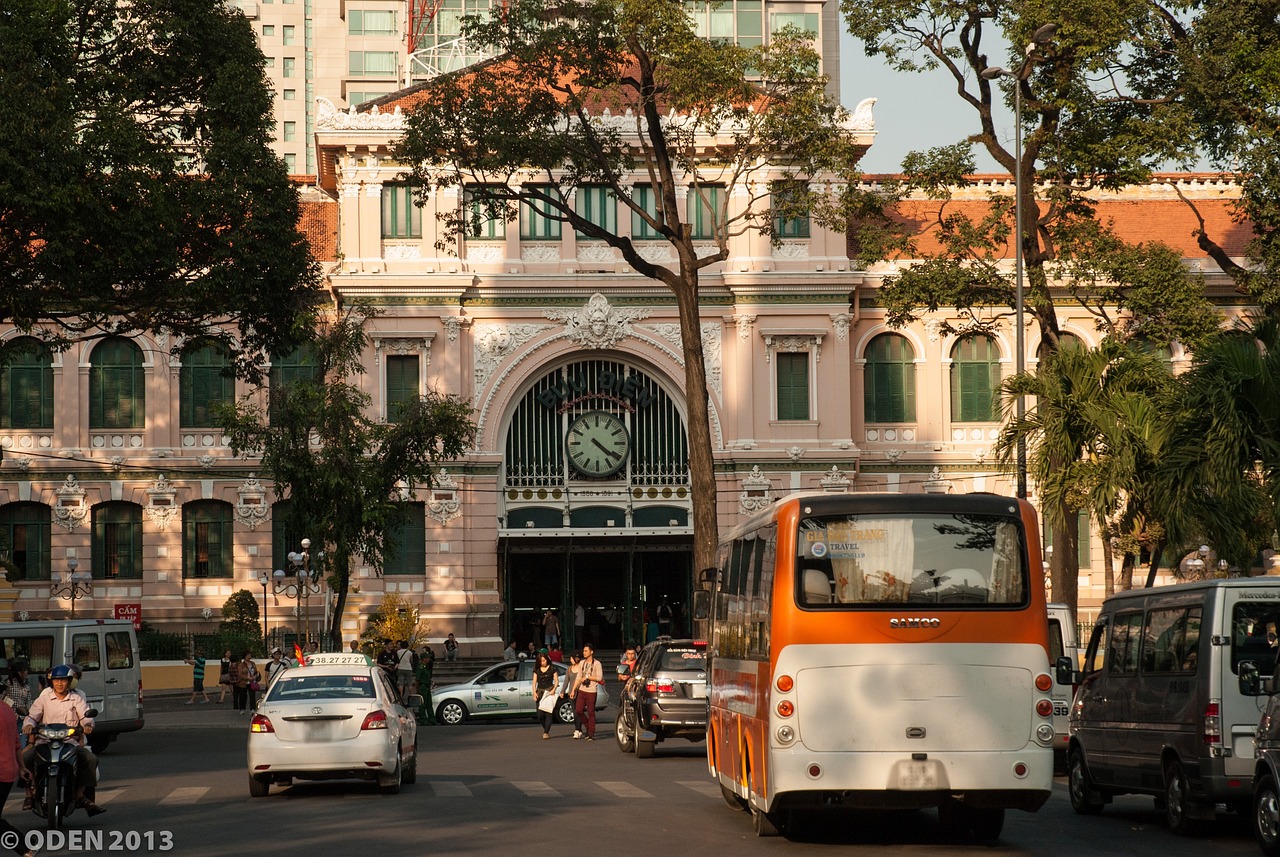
(1083, 799)
(767, 823)
(626, 740)
(1266, 816)
(1177, 799)
(411, 770)
(645, 749)
(565, 711)
(390, 784)
(451, 712)
(259, 787)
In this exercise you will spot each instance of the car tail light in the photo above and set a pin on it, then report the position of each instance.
(785, 708)
(660, 685)
(1043, 683)
(261, 723)
(1044, 707)
(1213, 722)
(785, 683)
(374, 720)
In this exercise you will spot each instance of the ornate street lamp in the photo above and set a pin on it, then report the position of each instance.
(299, 585)
(265, 580)
(75, 585)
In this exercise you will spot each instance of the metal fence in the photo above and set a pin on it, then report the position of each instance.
(157, 646)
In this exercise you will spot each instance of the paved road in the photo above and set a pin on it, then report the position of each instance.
(494, 790)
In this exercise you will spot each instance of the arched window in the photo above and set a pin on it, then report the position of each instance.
(117, 540)
(24, 539)
(117, 398)
(406, 546)
(26, 385)
(890, 380)
(206, 380)
(1066, 341)
(206, 539)
(975, 380)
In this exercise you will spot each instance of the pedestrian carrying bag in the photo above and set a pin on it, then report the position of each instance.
(548, 702)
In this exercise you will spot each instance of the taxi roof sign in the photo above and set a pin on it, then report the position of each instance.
(338, 659)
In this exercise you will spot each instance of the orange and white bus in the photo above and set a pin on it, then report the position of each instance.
(882, 651)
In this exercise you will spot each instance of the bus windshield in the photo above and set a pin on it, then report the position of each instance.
(885, 560)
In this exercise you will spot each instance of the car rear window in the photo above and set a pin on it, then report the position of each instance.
(678, 660)
(290, 688)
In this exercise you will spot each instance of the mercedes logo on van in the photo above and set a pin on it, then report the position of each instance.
(915, 622)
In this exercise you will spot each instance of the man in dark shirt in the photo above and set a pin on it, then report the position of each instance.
(387, 659)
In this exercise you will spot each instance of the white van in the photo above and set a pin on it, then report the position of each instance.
(106, 651)
(1062, 644)
(1160, 710)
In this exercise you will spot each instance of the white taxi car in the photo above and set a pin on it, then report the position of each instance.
(338, 717)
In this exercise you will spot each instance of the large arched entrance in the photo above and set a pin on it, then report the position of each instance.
(595, 506)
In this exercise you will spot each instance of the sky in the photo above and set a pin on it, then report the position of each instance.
(913, 111)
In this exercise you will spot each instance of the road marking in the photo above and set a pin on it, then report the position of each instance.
(702, 787)
(187, 795)
(537, 789)
(108, 795)
(450, 788)
(623, 789)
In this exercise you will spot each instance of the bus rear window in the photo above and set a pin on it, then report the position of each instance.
(888, 560)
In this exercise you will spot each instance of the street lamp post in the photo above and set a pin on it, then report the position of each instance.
(299, 586)
(265, 580)
(75, 585)
(1042, 35)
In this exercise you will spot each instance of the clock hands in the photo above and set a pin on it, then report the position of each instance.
(609, 452)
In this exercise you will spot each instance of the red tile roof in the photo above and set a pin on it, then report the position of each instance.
(318, 221)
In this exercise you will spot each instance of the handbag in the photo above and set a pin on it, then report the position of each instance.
(548, 702)
(254, 685)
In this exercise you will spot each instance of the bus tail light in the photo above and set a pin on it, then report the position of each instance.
(1044, 707)
(785, 683)
(1043, 683)
(1213, 722)
(785, 708)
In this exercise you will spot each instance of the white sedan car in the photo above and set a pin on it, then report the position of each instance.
(338, 717)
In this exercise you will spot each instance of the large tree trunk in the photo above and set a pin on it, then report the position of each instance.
(342, 577)
(1109, 582)
(1064, 566)
(702, 477)
(1126, 573)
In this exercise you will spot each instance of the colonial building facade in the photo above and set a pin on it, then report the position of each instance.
(112, 464)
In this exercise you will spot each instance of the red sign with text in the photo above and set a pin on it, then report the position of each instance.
(132, 612)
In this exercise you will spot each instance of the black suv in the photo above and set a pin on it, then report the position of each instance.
(665, 698)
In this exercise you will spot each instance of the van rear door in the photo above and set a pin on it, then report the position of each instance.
(110, 677)
(1252, 619)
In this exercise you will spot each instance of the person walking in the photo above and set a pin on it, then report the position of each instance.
(579, 624)
(276, 665)
(18, 692)
(426, 666)
(11, 767)
(570, 690)
(551, 628)
(450, 648)
(245, 696)
(197, 677)
(406, 665)
(226, 676)
(590, 678)
(546, 683)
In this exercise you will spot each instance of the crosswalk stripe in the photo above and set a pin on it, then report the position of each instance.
(536, 789)
(450, 788)
(107, 795)
(190, 794)
(623, 789)
(702, 787)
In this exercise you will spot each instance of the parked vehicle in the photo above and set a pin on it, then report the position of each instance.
(54, 776)
(502, 690)
(666, 697)
(1062, 644)
(105, 651)
(1160, 709)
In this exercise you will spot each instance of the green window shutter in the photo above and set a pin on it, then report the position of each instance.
(26, 386)
(402, 384)
(646, 198)
(407, 543)
(975, 376)
(116, 385)
(793, 386)
(890, 380)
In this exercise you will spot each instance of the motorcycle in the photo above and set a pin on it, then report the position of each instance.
(55, 772)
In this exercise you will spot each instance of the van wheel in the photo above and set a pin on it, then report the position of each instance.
(1177, 798)
(986, 824)
(1266, 816)
(98, 743)
(1084, 798)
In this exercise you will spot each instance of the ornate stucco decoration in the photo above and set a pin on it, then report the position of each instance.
(795, 453)
(933, 328)
(401, 251)
(840, 321)
(835, 481)
(596, 254)
(540, 253)
(71, 510)
(791, 250)
(452, 324)
(403, 346)
(251, 505)
(658, 252)
(495, 342)
(757, 492)
(444, 504)
(804, 342)
(893, 455)
(486, 253)
(330, 118)
(862, 118)
(712, 354)
(597, 325)
(160, 510)
(936, 484)
(744, 322)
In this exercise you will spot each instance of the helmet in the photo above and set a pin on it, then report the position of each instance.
(61, 671)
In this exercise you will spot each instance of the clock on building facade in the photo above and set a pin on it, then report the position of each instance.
(598, 444)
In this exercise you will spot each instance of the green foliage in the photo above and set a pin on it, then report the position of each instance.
(350, 483)
(240, 613)
(397, 619)
(138, 189)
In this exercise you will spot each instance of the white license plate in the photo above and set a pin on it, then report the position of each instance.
(696, 691)
(916, 776)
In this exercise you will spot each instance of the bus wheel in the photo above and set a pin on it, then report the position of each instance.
(766, 823)
(734, 802)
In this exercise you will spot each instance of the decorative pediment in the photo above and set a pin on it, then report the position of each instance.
(757, 492)
(251, 504)
(597, 325)
(71, 510)
(162, 506)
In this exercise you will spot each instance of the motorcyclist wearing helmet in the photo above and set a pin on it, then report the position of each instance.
(59, 703)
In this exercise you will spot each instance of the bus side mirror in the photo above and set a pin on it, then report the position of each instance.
(1250, 679)
(1065, 671)
(701, 605)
